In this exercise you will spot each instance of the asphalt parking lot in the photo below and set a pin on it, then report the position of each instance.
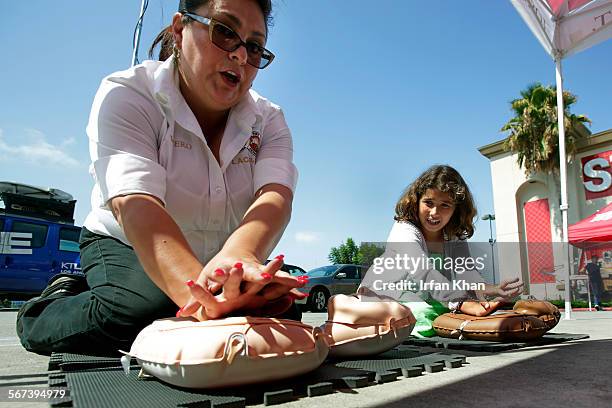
(569, 374)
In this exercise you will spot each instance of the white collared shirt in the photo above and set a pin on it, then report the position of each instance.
(144, 139)
(406, 240)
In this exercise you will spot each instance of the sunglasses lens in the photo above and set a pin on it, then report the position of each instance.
(254, 55)
(226, 39)
(263, 62)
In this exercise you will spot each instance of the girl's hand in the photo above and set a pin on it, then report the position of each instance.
(505, 291)
(249, 285)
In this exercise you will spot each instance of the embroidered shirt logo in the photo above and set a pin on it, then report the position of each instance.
(180, 143)
(253, 144)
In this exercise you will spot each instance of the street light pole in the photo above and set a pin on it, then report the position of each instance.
(490, 218)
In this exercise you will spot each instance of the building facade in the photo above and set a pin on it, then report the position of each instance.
(528, 217)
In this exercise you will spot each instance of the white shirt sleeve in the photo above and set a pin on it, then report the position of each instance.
(406, 242)
(275, 157)
(460, 249)
(123, 131)
(407, 239)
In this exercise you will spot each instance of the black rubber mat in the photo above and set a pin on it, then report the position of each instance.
(75, 362)
(491, 346)
(108, 386)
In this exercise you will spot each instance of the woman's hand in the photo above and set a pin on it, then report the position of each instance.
(249, 286)
(479, 308)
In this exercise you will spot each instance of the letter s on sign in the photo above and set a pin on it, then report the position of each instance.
(590, 171)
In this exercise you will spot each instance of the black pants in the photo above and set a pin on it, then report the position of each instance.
(120, 302)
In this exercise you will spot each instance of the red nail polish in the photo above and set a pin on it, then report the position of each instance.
(190, 283)
(281, 257)
(178, 314)
(238, 265)
(266, 275)
(219, 272)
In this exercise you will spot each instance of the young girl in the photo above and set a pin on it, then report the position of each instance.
(434, 218)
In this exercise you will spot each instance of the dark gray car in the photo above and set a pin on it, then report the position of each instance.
(290, 269)
(330, 280)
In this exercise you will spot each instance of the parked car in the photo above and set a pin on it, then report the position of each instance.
(291, 269)
(330, 280)
(38, 239)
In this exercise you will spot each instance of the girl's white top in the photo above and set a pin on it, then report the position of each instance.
(406, 242)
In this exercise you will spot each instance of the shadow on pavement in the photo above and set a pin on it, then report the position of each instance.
(570, 374)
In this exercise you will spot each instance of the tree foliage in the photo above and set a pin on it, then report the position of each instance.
(533, 131)
(346, 253)
(369, 251)
(349, 253)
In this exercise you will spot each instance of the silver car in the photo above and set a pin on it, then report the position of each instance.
(330, 280)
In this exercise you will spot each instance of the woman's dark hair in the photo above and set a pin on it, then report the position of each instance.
(448, 180)
(165, 40)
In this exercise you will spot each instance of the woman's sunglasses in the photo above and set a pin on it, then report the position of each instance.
(228, 40)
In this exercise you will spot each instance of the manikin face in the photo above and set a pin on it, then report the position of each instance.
(215, 79)
(435, 211)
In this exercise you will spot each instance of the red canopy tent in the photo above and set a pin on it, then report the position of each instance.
(594, 231)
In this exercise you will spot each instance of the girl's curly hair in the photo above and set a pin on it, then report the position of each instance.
(448, 180)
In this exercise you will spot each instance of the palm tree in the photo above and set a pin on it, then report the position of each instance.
(534, 134)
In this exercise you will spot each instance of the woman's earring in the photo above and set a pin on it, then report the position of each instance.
(176, 52)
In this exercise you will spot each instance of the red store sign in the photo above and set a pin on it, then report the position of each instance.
(597, 175)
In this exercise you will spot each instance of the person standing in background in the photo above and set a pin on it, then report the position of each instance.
(595, 281)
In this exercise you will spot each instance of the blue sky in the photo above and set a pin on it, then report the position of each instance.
(374, 93)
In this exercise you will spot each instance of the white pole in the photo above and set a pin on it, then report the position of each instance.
(137, 34)
(563, 170)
